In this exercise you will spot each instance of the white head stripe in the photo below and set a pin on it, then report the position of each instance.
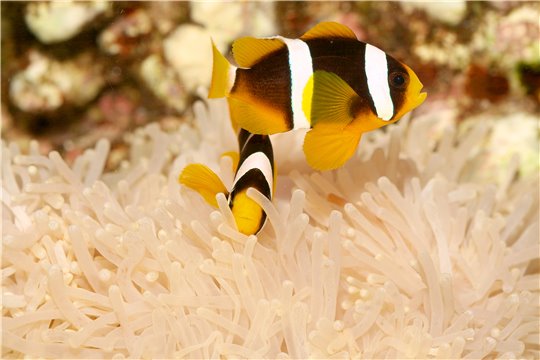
(259, 161)
(377, 78)
(301, 68)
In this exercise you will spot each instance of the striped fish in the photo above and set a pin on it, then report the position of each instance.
(255, 168)
(327, 81)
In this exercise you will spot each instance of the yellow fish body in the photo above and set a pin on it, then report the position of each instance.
(327, 81)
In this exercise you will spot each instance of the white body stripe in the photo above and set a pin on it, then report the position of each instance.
(376, 69)
(257, 160)
(301, 68)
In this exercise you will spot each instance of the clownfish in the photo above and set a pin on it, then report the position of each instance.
(255, 168)
(326, 81)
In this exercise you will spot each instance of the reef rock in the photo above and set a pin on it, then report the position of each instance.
(57, 21)
(163, 82)
(126, 33)
(227, 21)
(46, 84)
(451, 12)
(188, 49)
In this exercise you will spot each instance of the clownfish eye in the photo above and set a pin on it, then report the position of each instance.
(399, 80)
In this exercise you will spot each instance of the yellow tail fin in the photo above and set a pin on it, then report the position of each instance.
(203, 180)
(222, 75)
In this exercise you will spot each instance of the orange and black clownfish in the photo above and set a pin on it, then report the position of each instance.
(327, 81)
(255, 169)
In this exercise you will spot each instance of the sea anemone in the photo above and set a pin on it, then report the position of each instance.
(411, 250)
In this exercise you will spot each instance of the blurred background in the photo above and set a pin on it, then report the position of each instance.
(73, 72)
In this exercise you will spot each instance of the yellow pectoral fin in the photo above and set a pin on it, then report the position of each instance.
(328, 146)
(247, 213)
(203, 180)
(332, 100)
(248, 50)
(257, 118)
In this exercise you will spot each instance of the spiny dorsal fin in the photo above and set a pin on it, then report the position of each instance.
(329, 29)
(331, 100)
(247, 51)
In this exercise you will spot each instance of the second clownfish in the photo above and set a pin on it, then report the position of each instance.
(255, 168)
(327, 81)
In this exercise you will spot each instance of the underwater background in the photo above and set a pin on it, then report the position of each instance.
(73, 72)
(424, 245)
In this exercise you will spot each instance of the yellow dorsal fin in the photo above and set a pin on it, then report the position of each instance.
(329, 29)
(331, 100)
(257, 118)
(203, 180)
(247, 51)
(327, 146)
